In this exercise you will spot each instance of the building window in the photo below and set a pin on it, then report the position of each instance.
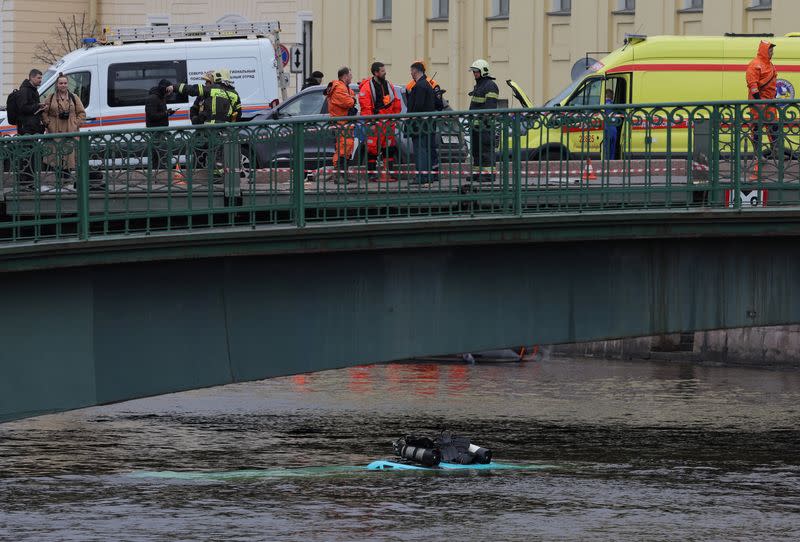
(761, 4)
(500, 8)
(627, 6)
(384, 10)
(232, 18)
(128, 83)
(441, 9)
(694, 4)
(562, 6)
(158, 20)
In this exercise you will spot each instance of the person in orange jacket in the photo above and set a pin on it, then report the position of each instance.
(378, 96)
(342, 103)
(762, 83)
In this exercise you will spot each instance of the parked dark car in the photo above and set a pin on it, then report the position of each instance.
(275, 147)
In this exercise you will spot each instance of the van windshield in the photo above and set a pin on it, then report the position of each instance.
(561, 96)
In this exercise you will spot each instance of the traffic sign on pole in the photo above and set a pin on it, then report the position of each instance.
(297, 59)
(284, 55)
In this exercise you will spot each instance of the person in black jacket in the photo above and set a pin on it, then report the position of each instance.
(29, 122)
(157, 114)
(314, 80)
(29, 118)
(422, 100)
(483, 96)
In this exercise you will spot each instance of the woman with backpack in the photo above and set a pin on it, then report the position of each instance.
(64, 113)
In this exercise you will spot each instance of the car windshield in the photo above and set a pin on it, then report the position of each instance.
(561, 96)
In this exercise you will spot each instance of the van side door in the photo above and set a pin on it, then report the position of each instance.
(616, 122)
(584, 128)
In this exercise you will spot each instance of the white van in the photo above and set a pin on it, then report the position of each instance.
(113, 80)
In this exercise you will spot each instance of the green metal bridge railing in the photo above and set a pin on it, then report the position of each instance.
(726, 155)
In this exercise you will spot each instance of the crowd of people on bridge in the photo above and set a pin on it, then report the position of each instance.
(378, 96)
(217, 101)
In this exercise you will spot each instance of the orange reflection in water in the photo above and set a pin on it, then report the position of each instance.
(360, 379)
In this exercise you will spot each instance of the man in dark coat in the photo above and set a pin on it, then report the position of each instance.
(157, 114)
(422, 100)
(29, 122)
(29, 118)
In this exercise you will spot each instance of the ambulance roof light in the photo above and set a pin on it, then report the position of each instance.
(634, 38)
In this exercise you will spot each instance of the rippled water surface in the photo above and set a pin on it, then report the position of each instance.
(626, 451)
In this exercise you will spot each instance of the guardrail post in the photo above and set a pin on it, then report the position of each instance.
(714, 158)
(738, 125)
(83, 187)
(516, 163)
(299, 174)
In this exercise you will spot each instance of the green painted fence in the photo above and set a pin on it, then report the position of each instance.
(723, 155)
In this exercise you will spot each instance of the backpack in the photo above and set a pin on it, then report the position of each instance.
(12, 108)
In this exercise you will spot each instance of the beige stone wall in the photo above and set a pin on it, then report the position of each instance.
(25, 24)
(534, 46)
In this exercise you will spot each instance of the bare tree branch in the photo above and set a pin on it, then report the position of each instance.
(67, 36)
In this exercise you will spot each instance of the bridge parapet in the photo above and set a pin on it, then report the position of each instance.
(506, 163)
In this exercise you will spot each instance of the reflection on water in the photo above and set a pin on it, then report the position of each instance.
(639, 450)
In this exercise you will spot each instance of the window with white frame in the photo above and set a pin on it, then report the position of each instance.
(762, 4)
(500, 8)
(562, 6)
(441, 9)
(384, 10)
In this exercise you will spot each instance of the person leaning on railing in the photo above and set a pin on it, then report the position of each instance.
(63, 114)
(341, 103)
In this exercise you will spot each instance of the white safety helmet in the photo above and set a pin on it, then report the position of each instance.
(481, 66)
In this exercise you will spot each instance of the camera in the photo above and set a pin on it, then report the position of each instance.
(63, 115)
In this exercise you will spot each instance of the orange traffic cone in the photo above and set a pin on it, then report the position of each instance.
(177, 175)
(754, 173)
(588, 171)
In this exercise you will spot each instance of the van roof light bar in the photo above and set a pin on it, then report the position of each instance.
(178, 32)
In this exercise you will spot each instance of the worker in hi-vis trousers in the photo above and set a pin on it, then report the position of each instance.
(483, 97)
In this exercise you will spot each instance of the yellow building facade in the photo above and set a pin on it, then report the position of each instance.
(534, 42)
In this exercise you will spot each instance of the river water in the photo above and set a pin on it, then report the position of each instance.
(613, 450)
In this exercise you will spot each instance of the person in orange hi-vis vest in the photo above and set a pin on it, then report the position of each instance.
(762, 83)
(342, 103)
(378, 96)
